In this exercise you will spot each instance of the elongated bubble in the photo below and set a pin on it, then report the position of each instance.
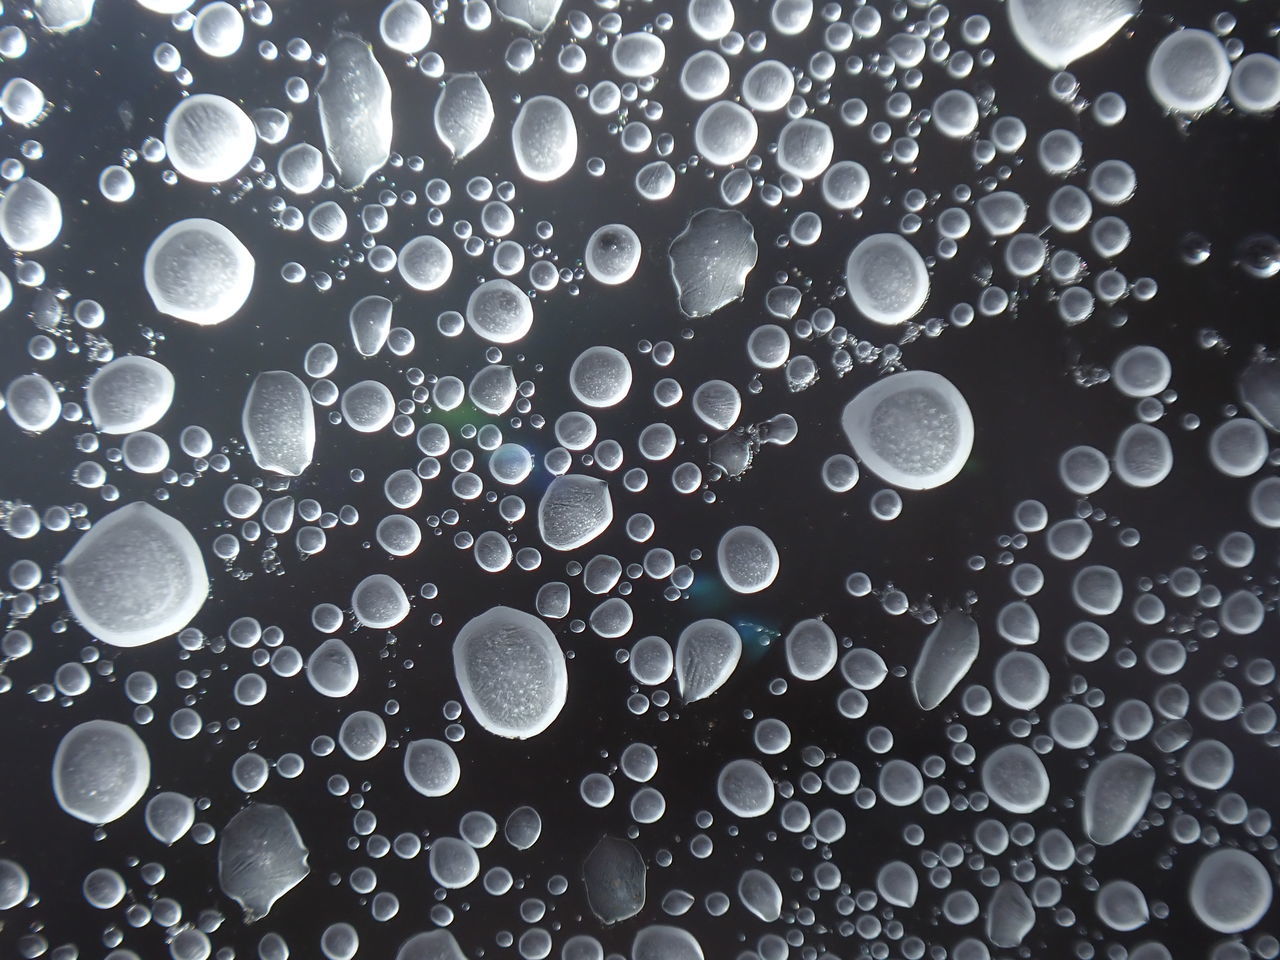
(544, 139)
(463, 114)
(355, 110)
(279, 423)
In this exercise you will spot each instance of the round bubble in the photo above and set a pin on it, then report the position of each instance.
(725, 133)
(1188, 71)
(1230, 890)
(612, 254)
(600, 377)
(745, 789)
(1015, 779)
(887, 279)
(197, 270)
(425, 263)
(208, 138)
(747, 559)
(545, 139)
(499, 311)
(100, 771)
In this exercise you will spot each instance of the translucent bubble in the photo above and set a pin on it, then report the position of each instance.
(1021, 680)
(887, 279)
(600, 377)
(1254, 86)
(747, 559)
(197, 270)
(768, 86)
(955, 114)
(725, 133)
(639, 54)
(208, 138)
(745, 789)
(1230, 891)
(612, 254)
(405, 26)
(32, 403)
(1143, 456)
(544, 139)
(219, 29)
(1015, 779)
(1188, 71)
(30, 216)
(1238, 447)
(100, 771)
(805, 148)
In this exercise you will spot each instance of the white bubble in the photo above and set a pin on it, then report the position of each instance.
(379, 602)
(1143, 456)
(707, 653)
(745, 789)
(637, 55)
(725, 133)
(197, 270)
(1058, 33)
(612, 254)
(544, 139)
(405, 26)
(208, 138)
(1015, 779)
(811, 650)
(710, 19)
(100, 771)
(887, 279)
(332, 670)
(747, 559)
(425, 263)
(845, 185)
(600, 377)
(1254, 86)
(955, 114)
(355, 110)
(362, 735)
(464, 114)
(30, 216)
(1188, 71)
(1230, 891)
(219, 29)
(431, 767)
(32, 403)
(499, 311)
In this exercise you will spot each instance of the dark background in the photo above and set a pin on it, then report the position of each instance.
(1019, 372)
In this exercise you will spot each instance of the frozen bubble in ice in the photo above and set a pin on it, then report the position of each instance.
(208, 138)
(14, 884)
(32, 403)
(22, 102)
(60, 16)
(898, 884)
(811, 650)
(614, 876)
(100, 771)
(612, 254)
(1018, 623)
(707, 653)
(704, 76)
(379, 602)
(261, 857)
(499, 311)
(887, 279)
(717, 404)
(370, 323)
(711, 259)
(1001, 213)
(1058, 32)
(1259, 389)
(535, 15)
(845, 185)
(355, 110)
(710, 19)
(1010, 916)
(945, 658)
(218, 30)
(523, 828)
(1097, 590)
(760, 894)
(747, 559)
(332, 670)
(463, 114)
(432, 945)
(368, 406)
(1188, 71)
(1121, 905)
(725, 133)
(30, 216)
(955, 114)
(1238, 447)
(405, 26)
(362, 735)
(1021, 680)
(639, 54)
(197, 270)
(912, 429)
(1015, 779)
(1116, 794)
(600, 377)
(745, 789)
(279, 423)
(1143, 456)
(425, 263)
(493, 389)
(136, 576)
(1254, 86)
(511, 672)
(574, 511)
(169, 816)
(1141, 371)
(129, 393)
(431, 767)
(1231, 890)
(805, 148)
(659, 942)
(768, 86)
(544, 139)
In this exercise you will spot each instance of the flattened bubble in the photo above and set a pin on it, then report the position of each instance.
(463, 114)
(637, 55)
(332, 669)
(1141, 371)
(912, 429)
(61, 16)
(658, 942)
(208, 138)
(1058, 32)
(136, 576)
(1254, 86)
(948, 653)
(1238, 447)
(261, 857)
(745, 789)
(612, 254)
(30, 216)
(901, 783)
(711, 260)
(898, 884)
(405, 26)
(1097, 590)
(805, 148)
(433, 945)
(1231, 890)
(887, 279)
(1143, 456)
(1084, 470)
(710, 19)
(1010, 916)
(544, 139)
(100, 771)
(1002, 212)
(717, 404)
(511, 672)
(811, 650)
(614, 877)
(354, 98)
(747, 559)
(535, 15)
(197, 270)
(499, 311)
(425, 263)
(1015, 779)
(845, 185)
(707, 653)
(574, 511)
(1116, 794)
(760, 894)
(955, 114)
(651, 661)
(128, 394)
(279, 423)
(725, 133)
(1188, 71)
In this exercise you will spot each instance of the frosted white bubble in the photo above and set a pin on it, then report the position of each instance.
(887, 279)
(100, 771)
(22, 101)
(261, 857)
(332, 669)
(639, 54)
(1116, 795)
(1230, 891)
(169, 816)
(379, 602)
(600, 377)
(717, 403)
(208, 138)
(1097, 590)
(136, 576)
(431, 767)
(1001, 213)
(511, 672)
(760, 894)
(1021, 680)
(658, 942)
(1141, 371)
(612, 254)
(279, 423)
(425, 263)
(544, 139)
(955, 114)
(1254, 86)
(61, 16)
(768, 86)
(574, 511)
(32, 403)
(405, 26)
(845, 185)
(301, 168)
(463, 114)
(805, 148)
(1057, 32)
(30, 216)
(219, 29)
(811, 650)
(912, 429)
(704, 76)
(1238, 447)
(198, 271)
(710, 19)
(725, 133)
(1188, 71)
(499, 312)
(707, 653)
(354, 98)
(1015, 778)
(368, 406)
(747, 559)
(745, 789)
(1143, 456)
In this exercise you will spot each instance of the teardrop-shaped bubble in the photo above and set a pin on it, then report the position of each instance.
(1015, 778)
(208, 138)
(1057, 32)
(747, 559)
(30, 216)
(544, 139)
(355, 110)
(1231, 890)
(945, 659)
(707, 653)
(1121, 905)
(198, 271)
(499, 312)
(811, 649)
(432, 945)
(332, 669)
(912, 429)
(717, 403)
(100, 771)
(897, 882)
(1010, 916)
(370, 323)
(711, 260)
(760, 894)
(887, 279)
(261, 857)
(574, 511)
(659, 942)
(463, 114)
(614, 877)
(279, 423)
(745, 789)
(169, 816)
(1116, 794)
(136, 576)
(129, 394)
(511, 672)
